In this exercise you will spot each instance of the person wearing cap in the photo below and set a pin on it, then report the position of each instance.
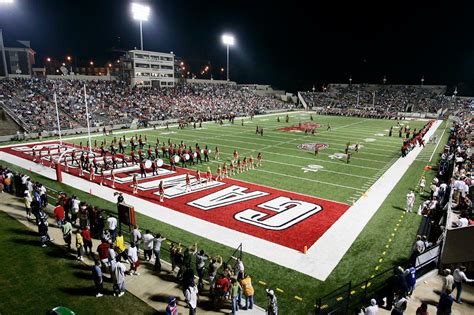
(172, 308)
(272, 308)
(373, 309)
(459, 276)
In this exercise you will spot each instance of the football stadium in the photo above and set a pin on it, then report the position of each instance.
(147, 182)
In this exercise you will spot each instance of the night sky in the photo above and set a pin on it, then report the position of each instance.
(289, 44)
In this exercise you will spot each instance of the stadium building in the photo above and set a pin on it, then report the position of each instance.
(150, 69)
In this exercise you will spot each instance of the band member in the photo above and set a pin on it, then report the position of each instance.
(161, 191)
(259, 159)
(34, 154)
(251, 163)
(313, 131)
(311, 117)
(329, 127)
(172, 164)
(104, 159)
(157, 152)
(242, 122)
(224, 170)
(134, 158)
(163, 150)
(188, 180)
(150, 153)
(73, 157)
(121, 147)
(206, 154)
(347, 147)
(261, 132)
(217, 154)
(154, 168)
(316, 150)
(219, 170)
(95, 143)
(112, 178)
(112, 149)
(142, 169)
(348, 159)
(208, 175)
(135, 184)
(140, 154)
(357, 147)
(287, 118)
(390, 132)
(96, 166)
(132, 144)
(198, 156)
(231, 168)
(400, 132)
(278, 118)
(257, 131)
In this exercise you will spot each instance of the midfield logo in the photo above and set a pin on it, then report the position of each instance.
(311, 146)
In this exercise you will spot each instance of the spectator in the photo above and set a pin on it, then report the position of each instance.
(86, 236)
(400, 304)
(445, 303)
(172, 308)
(67, 230)
(79, 245)
(201, 258)
(97, 276)
(27, 199)
(119, 279)
(214, 266)
(112, 224)
(248, 291)
(448, 281)
(423, 309)
(133, 259)
(191, 296)
(156, 245)
(103, 251)
(148, 245)
(411, 279)
(459, 276)
(272, 308)
(59, 214)
(235, 290)
(136, 236)
(120, 247)
(373, 309)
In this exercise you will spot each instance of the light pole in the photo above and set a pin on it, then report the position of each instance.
(228, 40)
(422, 80)
(141, 13)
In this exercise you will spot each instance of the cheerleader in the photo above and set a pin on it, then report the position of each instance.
(81, 171)
(135, 184)
(244, 164)
(218, 172)
(91, 172)
(161, 191)
(236, 155)
(259, 159)
(239, 166)
(224, 171)
(188, 183)
(217, 154)
(112, 177)
(198, 176)
(251, 163)
(208, 175)
(231, 168)
(102, 177)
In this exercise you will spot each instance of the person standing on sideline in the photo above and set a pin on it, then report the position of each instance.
(156, 250)
(172, 308)
(148, 245)
(422, 310)
(119, 279)
(86, 235)
(112, 223)
(272, 308)
(445, 303)
(120, 246)
(97, 276)
(132, 253)
(448, 281)
(373, 309)
(400, 305)
(67, 230)
(28, 199)
(235, 289)
(79, 245)
(459, 276)
(136, 236)
(191, 296)
(422, 185)
(410, 274)
(410, 201)
(59, 214)
(247, 289)
(201, 258)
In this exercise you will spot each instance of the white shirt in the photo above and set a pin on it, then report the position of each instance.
(191, 296)
(112, 222)
(75, 205)
(148, 241)
(371, 310)
(459, 276)
(410, 198)
(42, 190)
(462, 222)
(132, 254)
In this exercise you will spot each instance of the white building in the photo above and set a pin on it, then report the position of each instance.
(151, 69)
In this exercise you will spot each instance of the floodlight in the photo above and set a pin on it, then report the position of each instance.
(228, 39)
(140, 12)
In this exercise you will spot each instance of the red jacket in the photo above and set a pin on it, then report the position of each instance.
(103, 250)
(59, 212)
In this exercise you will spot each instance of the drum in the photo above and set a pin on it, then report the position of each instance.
(147, 164)
(159, 162)
(176, 158)
(186, 156)
(195, 155)
(210, 151)
(202, 151)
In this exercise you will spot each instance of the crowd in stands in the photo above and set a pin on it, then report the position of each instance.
(115, 102)
(226, 282)
(384, 99)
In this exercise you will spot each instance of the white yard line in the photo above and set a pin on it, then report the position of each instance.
(439, 141)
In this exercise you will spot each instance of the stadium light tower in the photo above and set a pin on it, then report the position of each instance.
(140, 13)
(228, 40)
(4, 2)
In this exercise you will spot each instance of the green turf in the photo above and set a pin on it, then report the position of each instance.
(364, 255)
(35, 279)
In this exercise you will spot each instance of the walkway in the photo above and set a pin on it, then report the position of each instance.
(150, 287)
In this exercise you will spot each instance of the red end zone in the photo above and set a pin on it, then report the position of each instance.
(285, 218)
